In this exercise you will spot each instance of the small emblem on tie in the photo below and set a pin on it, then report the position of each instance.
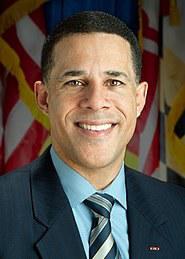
(154, 248)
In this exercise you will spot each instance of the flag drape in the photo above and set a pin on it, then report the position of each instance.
(158, 145)
(24, 129)
(173, 91)
(145, 142)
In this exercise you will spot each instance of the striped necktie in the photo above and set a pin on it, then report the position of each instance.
(101, 242)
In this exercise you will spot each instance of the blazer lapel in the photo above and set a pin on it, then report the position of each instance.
(52, 210)
(147, 226)
(62, 239)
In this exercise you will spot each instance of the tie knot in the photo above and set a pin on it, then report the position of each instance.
(100, 204)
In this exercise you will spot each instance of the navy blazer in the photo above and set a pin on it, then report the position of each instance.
(36, 220)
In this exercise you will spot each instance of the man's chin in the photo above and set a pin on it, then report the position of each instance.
(98, 162)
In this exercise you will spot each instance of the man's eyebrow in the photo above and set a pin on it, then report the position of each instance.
(74, 73)
(69, 73)
(116, 73)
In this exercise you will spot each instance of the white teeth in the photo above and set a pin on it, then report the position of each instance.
(95, 127)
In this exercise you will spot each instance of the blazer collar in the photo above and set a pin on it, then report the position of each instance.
(51, 209)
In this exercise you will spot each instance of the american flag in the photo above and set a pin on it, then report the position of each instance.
(145, 143)
(23, 129)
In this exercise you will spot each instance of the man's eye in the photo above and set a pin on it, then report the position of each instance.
(74, 83)
(114, 82)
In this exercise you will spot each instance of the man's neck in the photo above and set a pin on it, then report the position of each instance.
(99, 177)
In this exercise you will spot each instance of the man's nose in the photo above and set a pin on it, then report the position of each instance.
(95, 97)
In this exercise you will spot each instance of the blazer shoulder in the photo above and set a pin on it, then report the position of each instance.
(14, 184)
(25, 170)
(155, 189)
(15, 180)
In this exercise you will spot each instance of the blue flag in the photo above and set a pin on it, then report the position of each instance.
(126, 10)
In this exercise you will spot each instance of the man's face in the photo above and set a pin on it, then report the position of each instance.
(93, 100)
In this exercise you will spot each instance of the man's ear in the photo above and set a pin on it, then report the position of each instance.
(141, 93)
(41, 96)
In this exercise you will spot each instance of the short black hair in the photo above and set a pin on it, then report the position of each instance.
(89, 22)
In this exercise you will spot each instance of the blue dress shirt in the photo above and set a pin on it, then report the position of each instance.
(77, 189)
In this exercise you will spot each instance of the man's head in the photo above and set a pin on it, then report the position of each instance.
(89, 22)
(91, 93)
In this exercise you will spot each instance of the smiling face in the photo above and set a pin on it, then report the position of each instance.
(92, 101)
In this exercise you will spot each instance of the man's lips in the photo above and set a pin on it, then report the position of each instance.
(95, 126)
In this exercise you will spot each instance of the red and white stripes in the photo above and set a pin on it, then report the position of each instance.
(23, 134)
(149, 137)
(145, 142)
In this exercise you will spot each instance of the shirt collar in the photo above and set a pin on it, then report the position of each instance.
(77, 188)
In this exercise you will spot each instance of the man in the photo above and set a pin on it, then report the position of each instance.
(78, 200)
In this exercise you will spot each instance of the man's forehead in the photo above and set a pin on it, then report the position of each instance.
(75, 37)
(110, 51)
(98, 44)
